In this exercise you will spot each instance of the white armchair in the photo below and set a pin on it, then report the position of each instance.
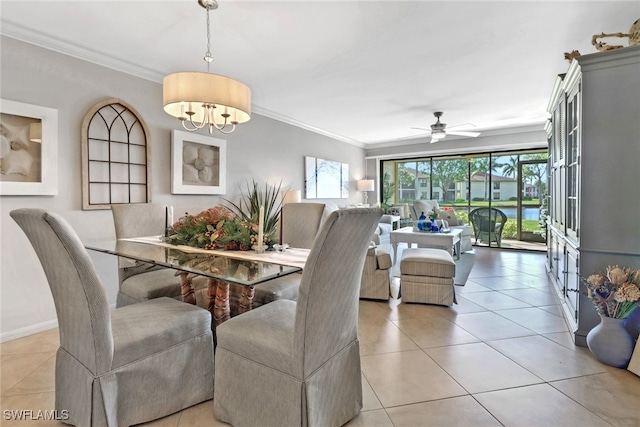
(382, 233)
(376, 275)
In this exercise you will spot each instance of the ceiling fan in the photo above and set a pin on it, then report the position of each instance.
(439, 130)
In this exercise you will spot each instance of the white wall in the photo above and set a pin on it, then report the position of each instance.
(263, 149)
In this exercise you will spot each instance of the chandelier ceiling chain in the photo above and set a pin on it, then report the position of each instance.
(208, 57)
(205, 99)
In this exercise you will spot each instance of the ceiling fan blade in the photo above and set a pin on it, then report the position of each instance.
(433, 140)
(459, 125)
(470, 134)
(425, 129)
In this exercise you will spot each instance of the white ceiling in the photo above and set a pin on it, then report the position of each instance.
(365, 72)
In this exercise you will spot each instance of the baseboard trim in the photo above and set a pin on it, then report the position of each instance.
(28, 330)
(34, 329)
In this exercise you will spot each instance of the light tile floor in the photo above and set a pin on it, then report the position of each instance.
(501, 357)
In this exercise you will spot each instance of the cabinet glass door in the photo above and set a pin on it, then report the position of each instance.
(572, 163)
(558, 167)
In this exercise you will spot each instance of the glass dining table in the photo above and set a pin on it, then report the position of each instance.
(222, 267)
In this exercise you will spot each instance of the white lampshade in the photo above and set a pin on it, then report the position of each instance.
(365, 185)
(291, 196)
(186, 92)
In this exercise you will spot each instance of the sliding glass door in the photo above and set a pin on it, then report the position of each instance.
(532, 205)
(513, 182)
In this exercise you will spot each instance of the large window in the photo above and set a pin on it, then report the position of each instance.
(514, 182)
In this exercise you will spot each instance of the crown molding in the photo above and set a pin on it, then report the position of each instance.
(27, 35)
(285, 119)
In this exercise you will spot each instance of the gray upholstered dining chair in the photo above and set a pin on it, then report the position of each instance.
(301, 222)
(140, 281)
(298, 363)
(124, 367)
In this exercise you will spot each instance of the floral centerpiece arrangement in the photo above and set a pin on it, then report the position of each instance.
(234, 227)
(614, 293)
(215, 228)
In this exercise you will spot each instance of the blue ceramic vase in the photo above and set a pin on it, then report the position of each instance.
(610, 342)
(422, 222)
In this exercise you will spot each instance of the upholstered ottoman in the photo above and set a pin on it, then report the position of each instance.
(426, 276)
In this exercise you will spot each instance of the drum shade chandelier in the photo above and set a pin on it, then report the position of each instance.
(205, 99)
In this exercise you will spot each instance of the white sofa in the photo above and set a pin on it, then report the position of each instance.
(425, 206)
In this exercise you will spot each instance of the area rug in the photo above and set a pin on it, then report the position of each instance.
(464, 265)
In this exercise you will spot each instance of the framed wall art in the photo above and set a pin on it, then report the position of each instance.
(198, 164)
(28, 149)
(326, 179)
(115, 156)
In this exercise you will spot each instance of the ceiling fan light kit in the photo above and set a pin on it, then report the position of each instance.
(439, 130)
(205, 99)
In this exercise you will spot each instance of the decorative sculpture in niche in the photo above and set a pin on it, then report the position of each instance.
(633, 35)
(570, 55)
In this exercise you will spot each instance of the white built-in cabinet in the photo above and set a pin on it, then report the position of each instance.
(594, 179)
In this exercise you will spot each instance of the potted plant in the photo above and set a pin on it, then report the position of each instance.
(248, 208)
(388, 189)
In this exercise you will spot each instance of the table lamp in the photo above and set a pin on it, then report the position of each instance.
(365, 185)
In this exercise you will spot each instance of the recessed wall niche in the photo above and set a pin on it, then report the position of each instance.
(115, 156)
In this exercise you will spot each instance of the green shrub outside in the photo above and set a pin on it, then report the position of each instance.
(463, 217)
(510, 231)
